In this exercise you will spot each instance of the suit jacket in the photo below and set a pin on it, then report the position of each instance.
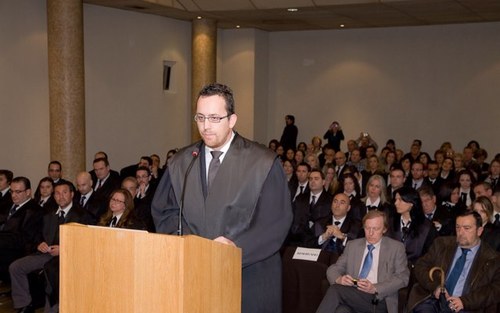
(25, 224)
(359, 209)
(5, 203)
(50, 229)
(110, 185)
(96, 206)
(442, 216)
(351, 227)
(304, 215)
(482, 287)
(293, 184)
(491, 236)
(113, 173)
(417, 241)
(393, 273)
(436, 185)
(142, 208)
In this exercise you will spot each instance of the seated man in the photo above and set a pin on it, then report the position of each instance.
(339, 227)
(473, 271)
(48, 247)
(368, 275)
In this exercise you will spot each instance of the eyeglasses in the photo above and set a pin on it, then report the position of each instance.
(17, 191)
(117, 200)
(200, 118)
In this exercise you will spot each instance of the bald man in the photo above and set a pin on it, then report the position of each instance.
(86, 198)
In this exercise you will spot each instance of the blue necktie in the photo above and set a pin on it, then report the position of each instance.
(367, 264)
(452, 280)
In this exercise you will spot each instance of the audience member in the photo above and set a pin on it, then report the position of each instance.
(437, 214)
(449, 197)
(47, 256)
(5, 198)
(491, 233)
(448, 170)
(20, 226)
(368, 275)
(433, 179)
(144, 197)
(106, 183)
(494, 174)
(375, 199)
(301, 185)
(416, 179)
(54, 171)
(355, 160)
(397, 180)
(44, 194)
(334, 135)
(466, 180)
(338, 227)
(87, 198)
(120, 213)
(309, 209)
(156, 170)
(289, 172)
(113, 173)
(471, 267)
(331, 183)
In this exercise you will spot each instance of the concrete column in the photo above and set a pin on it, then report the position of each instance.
(204, 55)
(66, 85)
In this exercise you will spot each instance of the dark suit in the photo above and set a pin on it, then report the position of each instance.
(359, 209)
(18, 234)
(20, 268)
(393, 274)
(248, 197)
(293, 185)
(113, 173)
(351, 227)
(5, 203)
(491, 236)
(447, 222)
(435, 185)
(482, 287)
(128, 171)
(110, 185)
(95, 205)
(142, 208)
(307, 219)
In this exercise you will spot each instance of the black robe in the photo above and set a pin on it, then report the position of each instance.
(248, 203)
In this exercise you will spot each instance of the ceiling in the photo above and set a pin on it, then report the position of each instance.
(273, 15)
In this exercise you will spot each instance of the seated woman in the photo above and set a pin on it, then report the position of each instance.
(331, 183)
(375, 198)
(409, 225)
(289, 170)
(491, 233)
(449, 196)
(121, 212)
(43, 195)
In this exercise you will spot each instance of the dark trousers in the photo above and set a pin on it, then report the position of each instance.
(344, 299)
(261, 290)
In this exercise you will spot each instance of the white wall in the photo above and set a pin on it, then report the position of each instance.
(434, 83)
(127, 112)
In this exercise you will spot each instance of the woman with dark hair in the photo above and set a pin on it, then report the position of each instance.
(121, 212)
(289, 155)
(466, 180)
(424, 158)
(299, 157)
(302, 146)
(409, 224)
(406, 162)
(491, 233)
(289, 170)
(273, 144)
(44, 194)
(449, 196)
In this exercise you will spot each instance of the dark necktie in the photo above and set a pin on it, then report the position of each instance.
(405, 230)
(464, 197)
(371, 207)
(82, 201)
(455, 273)
(214, 166)
(113, 221)
(415, 186)
(367, 263)
(429, 216)
(41, 203)
(12, 210)
(99, 184)
(313, 200)
(351, 197)
(497, 220)
(61, 218)
(494, 182)
(301, 190)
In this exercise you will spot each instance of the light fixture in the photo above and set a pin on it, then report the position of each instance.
(342, 25)
(199, 17)
(238, 26)
(292, 9)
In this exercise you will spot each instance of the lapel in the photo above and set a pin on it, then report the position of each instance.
(383, 259)
(358, 256)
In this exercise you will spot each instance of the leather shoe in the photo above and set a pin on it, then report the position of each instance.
(27, 309)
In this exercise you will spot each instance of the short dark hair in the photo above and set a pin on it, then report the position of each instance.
(477, 217)
(291, 118)
(65, 183)
(221, 90)
(147, 158)
(315, 170)
(306, 165)
(8, 174)
(24, 180)
(106, 162)
(55, 162)
(143, 168)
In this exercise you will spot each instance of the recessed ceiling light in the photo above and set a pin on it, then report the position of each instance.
(342, 25)
(199, 17)
(238, 26)
(292, 9)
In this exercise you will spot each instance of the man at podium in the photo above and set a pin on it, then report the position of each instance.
(231, 190)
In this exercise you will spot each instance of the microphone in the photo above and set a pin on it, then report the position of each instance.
(195, 155)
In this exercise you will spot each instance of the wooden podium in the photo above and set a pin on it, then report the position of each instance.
(111, 270)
